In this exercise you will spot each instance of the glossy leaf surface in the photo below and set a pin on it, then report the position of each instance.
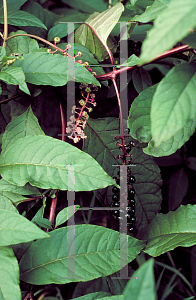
(45, 162)
(88, 252)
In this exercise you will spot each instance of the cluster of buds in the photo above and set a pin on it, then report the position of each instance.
(78, 120)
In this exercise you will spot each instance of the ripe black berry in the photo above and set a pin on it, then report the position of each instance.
(131, 193)
(130, 229)
(131, 179)
(115, 197)
(115, 190)
(116, 204)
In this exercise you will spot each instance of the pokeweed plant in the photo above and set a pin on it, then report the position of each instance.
(34, 165)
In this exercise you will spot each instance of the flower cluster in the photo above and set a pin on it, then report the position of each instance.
(78, 120)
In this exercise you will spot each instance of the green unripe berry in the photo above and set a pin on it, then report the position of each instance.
(88, 90)
(57, 39)
(82, 102)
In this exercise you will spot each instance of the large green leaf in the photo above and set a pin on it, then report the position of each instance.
(140, 126)
(47, 69)
(101, 145)
(86, 37)
(21, 126)
(21, 44)
(14, 75)
(9, 274)
(15, 229)
(96, 254)
(102, 24)
(22, 18)
(142, 284)
(171, 230)
(174, 103)
(43, 162)
(171, 26)
(151, 12)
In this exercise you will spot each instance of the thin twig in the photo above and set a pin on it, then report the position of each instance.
(5, 22)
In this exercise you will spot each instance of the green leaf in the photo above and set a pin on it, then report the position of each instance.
(174, 229)
(47, 69)
(101, 145)
(2, 53)
(174, 103)
(104, 22)
(86, 56)
(65, 214)
(142, 284)
(9, 274)
(21, 44)
(140, 126)
(131, 61)
(139, 115)
(24, 190)
(141, 79)
(174, 143)
(60, 29)
(23, 125)
(6, 202)
(89, 6)
(93, 296)
(22, 18)
(171, 26)
(12, 5)
(151, 12)
(140, 31)
(95, 254)
(43, 162)
(15, 229)
(86, 37)
(43, 222)
(190, 39)
(13, 197)
(14, 75)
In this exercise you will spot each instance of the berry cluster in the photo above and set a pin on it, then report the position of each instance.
(76, 126)
(129, 211)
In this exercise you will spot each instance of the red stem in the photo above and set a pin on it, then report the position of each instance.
(54, 200)
(105, 45)
(63, 123)
(53, 208)
(112, 75)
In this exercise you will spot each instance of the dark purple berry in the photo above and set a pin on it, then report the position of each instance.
(115, 190)
(115, 197)
(116, 204)
(131, 179)
(131, 193)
